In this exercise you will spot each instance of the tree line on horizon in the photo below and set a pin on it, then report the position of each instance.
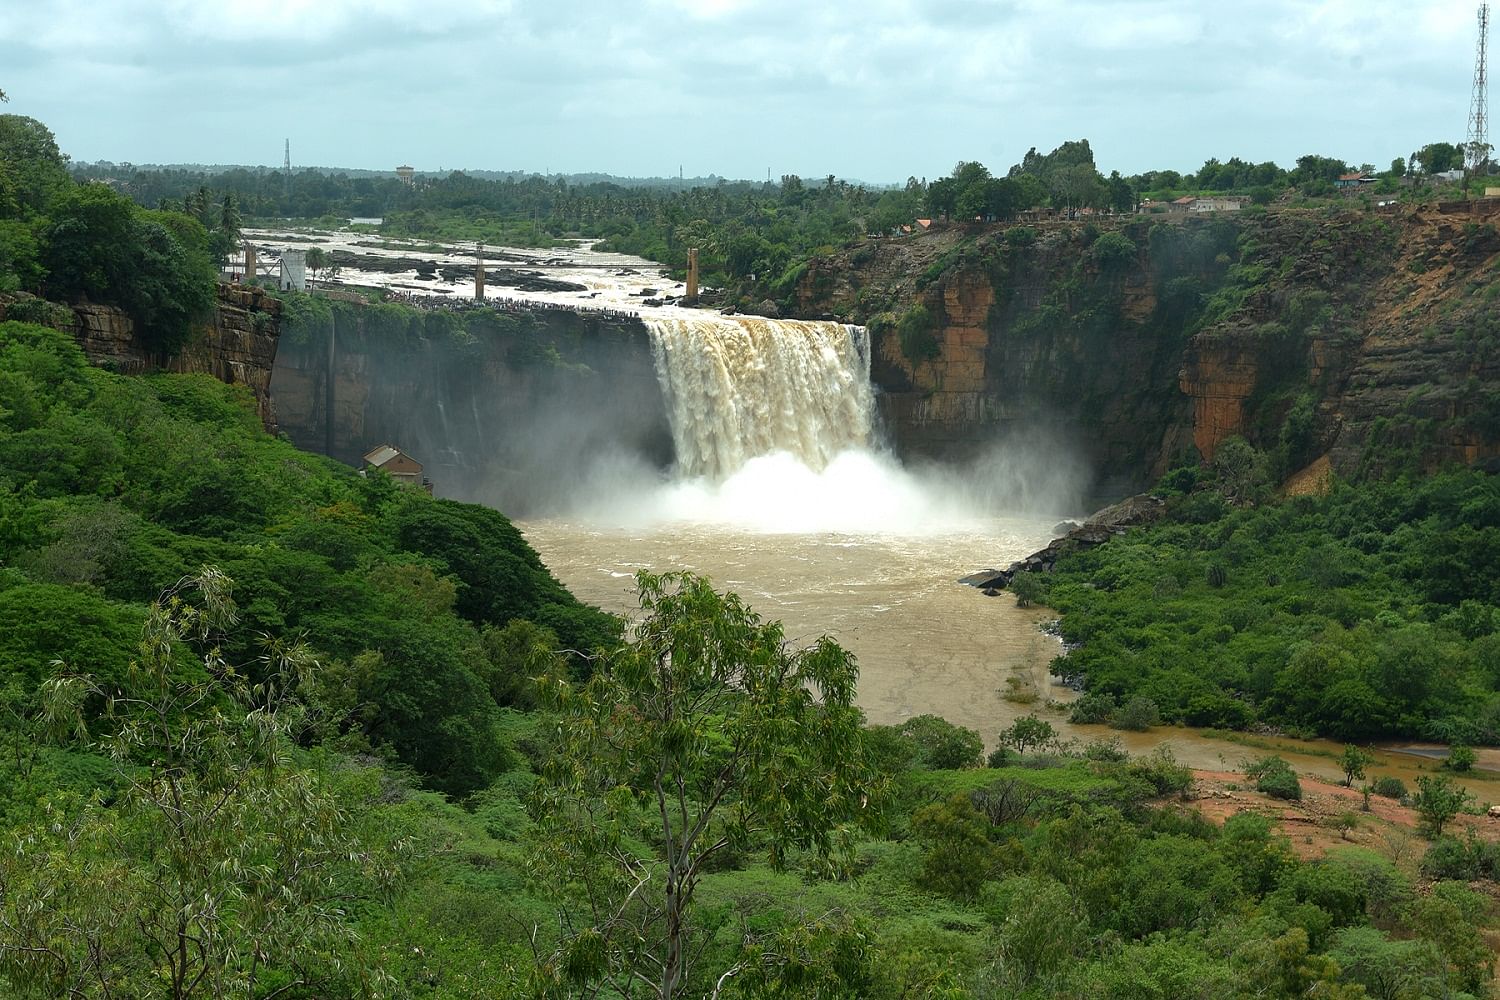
(754, 235)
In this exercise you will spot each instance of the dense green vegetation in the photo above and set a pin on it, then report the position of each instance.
(87, 242)
(320, 769)
(1365, 614)
(113, 488)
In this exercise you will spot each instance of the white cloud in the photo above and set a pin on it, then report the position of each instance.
(877, 89)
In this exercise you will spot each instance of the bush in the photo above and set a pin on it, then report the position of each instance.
(1092, 709)
(1451, 858)
(1138, 714)
(1162, 772)
(1114, 250)
(915, 332)
(1275, 777)
(1389, 787)
(1460, 758)
(1020, 236)
(939, 745)
(1105, 750)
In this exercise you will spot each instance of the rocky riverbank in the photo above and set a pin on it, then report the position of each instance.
(1100, 527)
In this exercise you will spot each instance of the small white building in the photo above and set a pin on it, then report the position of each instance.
(293, 273)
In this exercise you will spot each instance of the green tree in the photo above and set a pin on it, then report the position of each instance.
(942, 197)
(1440, 157)
(516, 654)
(1240, 470)
(154, 265)
(32, 169)
(1121, 194)
(1028, 731)
(221, 869)
(959, 854)
(724, 738)
(1028, 588)
(939, 745)
(1042, 932)
(1353, 762)
(1449, 918)
(317, 260)
(1437, 801)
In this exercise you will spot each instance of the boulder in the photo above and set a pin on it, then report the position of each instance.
(766, 308)
(984, 579)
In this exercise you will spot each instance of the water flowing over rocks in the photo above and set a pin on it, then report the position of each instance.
(741, 387)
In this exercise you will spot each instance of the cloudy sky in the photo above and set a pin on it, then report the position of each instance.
(869, 89)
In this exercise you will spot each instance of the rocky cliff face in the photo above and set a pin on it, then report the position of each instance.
(237, 347)
(1359, 341)
(515, 417)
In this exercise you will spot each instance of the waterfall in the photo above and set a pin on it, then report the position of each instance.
(741, 387)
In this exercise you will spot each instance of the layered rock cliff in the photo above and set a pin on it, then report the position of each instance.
(1360, 341)
(237, 346)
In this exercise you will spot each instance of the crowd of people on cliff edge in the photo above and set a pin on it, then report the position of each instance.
(463, 304)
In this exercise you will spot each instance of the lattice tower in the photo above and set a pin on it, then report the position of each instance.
(1477, 149)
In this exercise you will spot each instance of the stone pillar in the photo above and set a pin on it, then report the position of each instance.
(479, 278)
(249, 262)
(692, 276)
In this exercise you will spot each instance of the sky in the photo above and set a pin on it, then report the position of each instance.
(874, 90)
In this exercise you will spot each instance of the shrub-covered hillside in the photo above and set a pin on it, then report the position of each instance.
(1368, 613)
(113, 488)
(193, 804)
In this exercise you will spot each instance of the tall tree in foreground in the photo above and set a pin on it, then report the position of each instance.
(220, 870)
(708, 733)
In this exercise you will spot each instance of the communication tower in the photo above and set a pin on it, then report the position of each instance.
(287, 166)
(1477, 149)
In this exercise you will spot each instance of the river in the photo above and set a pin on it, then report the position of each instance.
(784, 494)
(924, 643)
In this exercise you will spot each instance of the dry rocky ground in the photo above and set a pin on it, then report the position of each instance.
(1329, 816)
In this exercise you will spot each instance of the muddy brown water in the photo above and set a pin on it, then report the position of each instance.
(924, 643)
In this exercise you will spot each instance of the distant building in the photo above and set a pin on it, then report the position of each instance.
(1218, 203)
(1183, 204)
(924, 223)
(398, 465)
(1353, 180)
(406, 173)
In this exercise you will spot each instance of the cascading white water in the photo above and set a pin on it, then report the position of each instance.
(741, 387)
